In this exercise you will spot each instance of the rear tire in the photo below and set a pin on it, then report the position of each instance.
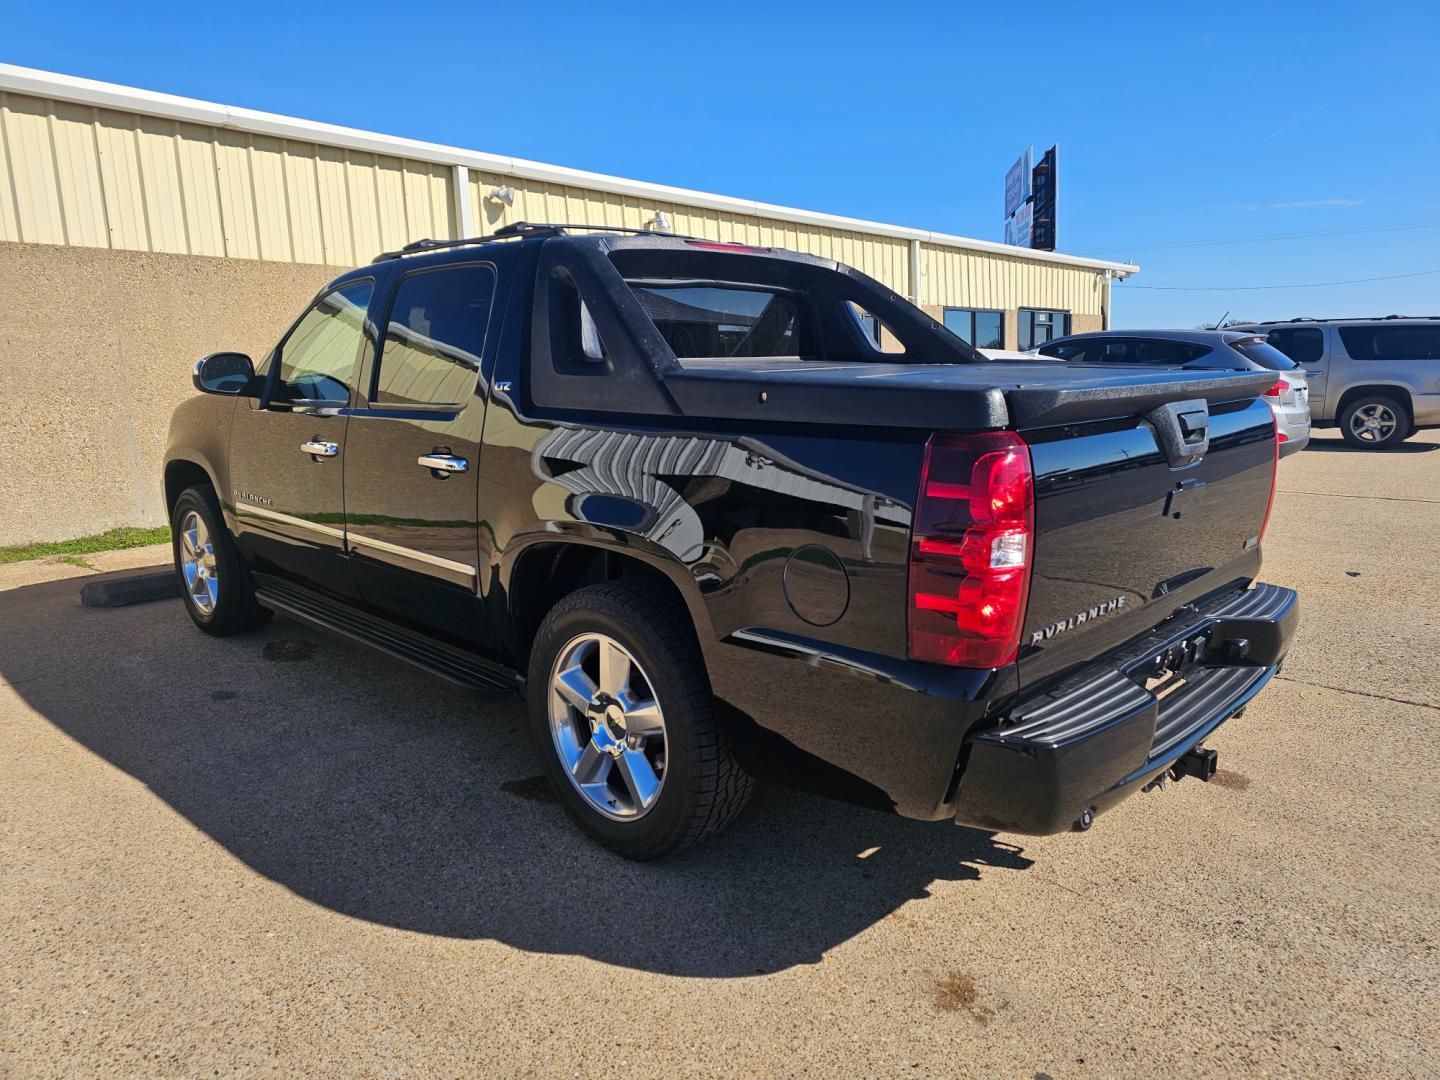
(215, 583)
(631, 749)
(1375, 422)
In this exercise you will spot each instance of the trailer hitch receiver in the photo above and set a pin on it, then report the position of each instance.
(1197, 762)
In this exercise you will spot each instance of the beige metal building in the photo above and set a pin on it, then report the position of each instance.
(139, 230)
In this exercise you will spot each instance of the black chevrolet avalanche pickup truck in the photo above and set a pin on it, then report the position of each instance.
(722, 512)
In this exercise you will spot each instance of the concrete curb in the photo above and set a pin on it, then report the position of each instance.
(130, 587)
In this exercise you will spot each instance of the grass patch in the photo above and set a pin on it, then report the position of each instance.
(113, 540)
(75, 560)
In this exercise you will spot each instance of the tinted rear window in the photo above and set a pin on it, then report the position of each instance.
(1266, 355)
(699, 321)
(1382, 342)
(1304, 346)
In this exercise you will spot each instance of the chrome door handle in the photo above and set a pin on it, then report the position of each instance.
(445, 463)
(319, 448)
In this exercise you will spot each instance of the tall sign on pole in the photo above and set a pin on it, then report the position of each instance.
(1017, 199)
(1042, 202)
(1030, 195)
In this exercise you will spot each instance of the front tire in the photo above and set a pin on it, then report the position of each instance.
(620, 708)
(215, 584)
(1375, 422)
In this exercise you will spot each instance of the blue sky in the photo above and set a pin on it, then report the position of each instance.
(1181, 130)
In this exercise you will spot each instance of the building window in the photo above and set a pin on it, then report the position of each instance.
(977, 326)
(1038, 326)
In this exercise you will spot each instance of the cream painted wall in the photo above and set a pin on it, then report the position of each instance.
(96, 349)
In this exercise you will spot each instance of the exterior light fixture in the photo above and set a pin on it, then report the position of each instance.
(504, 195)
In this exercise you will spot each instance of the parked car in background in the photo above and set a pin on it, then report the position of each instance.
(1288, 396)
(1378, 379)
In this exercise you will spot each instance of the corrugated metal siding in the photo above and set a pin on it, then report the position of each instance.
(954, 278)
(92, 177)
(883, 258)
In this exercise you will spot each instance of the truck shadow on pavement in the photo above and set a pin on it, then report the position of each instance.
(364, 786)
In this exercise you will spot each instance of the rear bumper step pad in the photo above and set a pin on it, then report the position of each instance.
(1100, 734)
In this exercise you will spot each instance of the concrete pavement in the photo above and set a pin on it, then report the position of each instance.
(252, 856)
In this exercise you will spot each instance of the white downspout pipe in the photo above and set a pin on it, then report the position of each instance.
(464, 213)
(915, 272)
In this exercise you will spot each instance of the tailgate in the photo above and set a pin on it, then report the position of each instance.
(1130, 523)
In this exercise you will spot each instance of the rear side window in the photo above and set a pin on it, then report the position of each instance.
(1382, 342)
(435, 336)
(1304, 346)
(317, 360)
(1266, 355)
(1168, 353)
(705, 321)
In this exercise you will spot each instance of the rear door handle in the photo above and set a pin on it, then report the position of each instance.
(320, 448)
(443, 463)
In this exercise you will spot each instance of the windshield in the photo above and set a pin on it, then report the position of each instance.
(1264, 354)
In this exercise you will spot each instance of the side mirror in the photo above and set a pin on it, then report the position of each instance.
(225, 373)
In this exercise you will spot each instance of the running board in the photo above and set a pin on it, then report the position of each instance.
(455, 666)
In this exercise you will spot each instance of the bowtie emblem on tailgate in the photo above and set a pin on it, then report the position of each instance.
(1183, 430)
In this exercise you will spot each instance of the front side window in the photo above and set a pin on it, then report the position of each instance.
(1303, 345)
(1115, 352)
(1382, 342)
(1107, 351)
(1076, 352)
(317, 360)
(710, 321)
(980, 327)
(434, 337)
(1038, 326)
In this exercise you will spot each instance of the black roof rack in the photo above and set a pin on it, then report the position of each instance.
(519, 231)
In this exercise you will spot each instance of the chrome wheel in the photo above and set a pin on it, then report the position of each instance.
(607, 726)
(197, 563)
(1373, 423)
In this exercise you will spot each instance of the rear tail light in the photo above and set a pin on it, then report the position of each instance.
(1277, 390)
(1274, 474)
(971, 550)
